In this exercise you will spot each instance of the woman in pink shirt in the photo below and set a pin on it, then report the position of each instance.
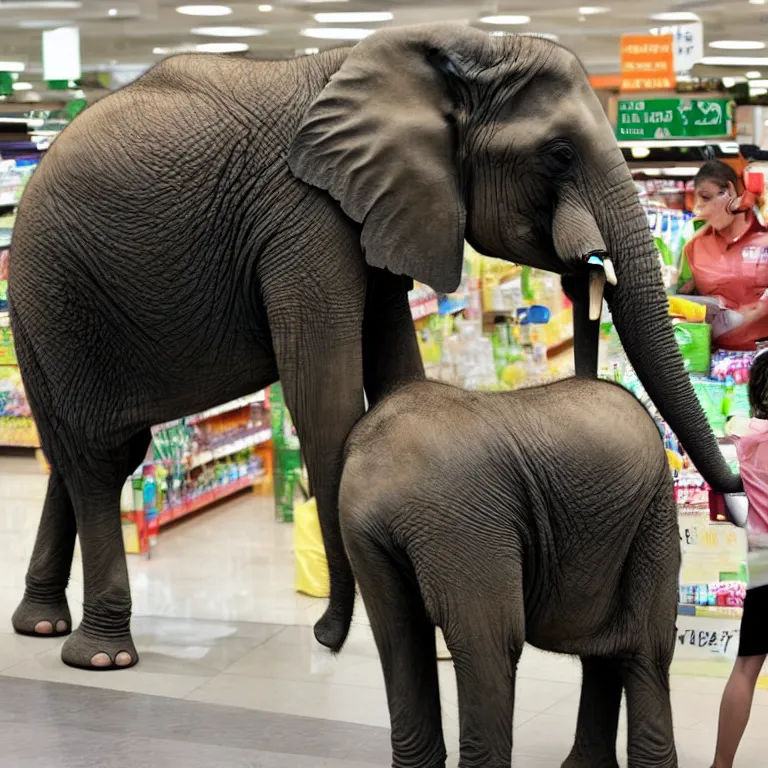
(752, 449)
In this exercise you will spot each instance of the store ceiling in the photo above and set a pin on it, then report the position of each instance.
(122, 34)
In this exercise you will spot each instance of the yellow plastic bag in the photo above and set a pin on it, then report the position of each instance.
(690, 310)
(309, 551)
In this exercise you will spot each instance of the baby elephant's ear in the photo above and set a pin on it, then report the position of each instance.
(379, 138)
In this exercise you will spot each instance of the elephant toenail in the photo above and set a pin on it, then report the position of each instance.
(123, 659)
(61, 625)
(44, 628)
(101, 660)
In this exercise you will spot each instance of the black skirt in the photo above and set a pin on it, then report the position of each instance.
(753, 636)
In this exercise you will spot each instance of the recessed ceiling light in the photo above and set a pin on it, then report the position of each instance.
(544, 35)
(758, 84)
(311, 51)
(21, 86)
(229, 31)
(758, 91)
(337, 33)
(12, 66)
(757, 2)
(506, 20)
(737, 45)
(734, 61)
(112, 12)
(221, 47)
(592, 10)
(265, 8)
(752, 74)
(51, 5)
(359, 18)
(676, 16)
(204, 10)
(169, 50)
(41, 24)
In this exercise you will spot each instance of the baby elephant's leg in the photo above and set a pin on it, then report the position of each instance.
(485, 633)
(405, 639)
(595, 745)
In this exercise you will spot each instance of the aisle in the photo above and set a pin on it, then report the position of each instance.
(224, 639)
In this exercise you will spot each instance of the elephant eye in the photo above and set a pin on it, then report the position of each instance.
(559, 155)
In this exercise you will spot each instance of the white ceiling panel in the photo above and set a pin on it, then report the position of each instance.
(121, 33)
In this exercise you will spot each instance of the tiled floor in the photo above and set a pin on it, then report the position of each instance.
(230, 674)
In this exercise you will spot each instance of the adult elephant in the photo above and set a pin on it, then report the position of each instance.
(178, 247)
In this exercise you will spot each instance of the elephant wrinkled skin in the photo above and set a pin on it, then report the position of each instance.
(222, 222)
(544, 516)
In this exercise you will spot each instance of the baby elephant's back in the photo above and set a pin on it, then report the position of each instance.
(603, 423)
(429, 436)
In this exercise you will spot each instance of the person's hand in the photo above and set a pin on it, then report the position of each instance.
(754, 312)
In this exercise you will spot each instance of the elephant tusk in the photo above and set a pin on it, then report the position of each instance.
(610, 272)
(596, 288)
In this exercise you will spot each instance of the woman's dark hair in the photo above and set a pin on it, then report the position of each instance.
(758, 386)
(718, 173)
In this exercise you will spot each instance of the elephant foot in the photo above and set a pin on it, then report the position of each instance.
(38, 619)
(84, 651)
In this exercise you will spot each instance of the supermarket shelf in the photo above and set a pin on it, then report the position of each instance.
(21, 446)
(249, 441)
(424, 309)
(233, 405)
(172, 514)
(709, 611)
(558, 349)
(726, 144)
(513, 274)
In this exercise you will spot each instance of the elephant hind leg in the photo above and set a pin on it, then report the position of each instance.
(103, 639)
(649, 592)
(405, 638)
(601, 687)
(484, 627)
(485, 659)
(43, 611)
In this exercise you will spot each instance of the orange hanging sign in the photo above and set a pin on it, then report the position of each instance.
(647, 63)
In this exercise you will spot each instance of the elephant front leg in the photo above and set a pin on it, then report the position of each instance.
(595, 745)
(391, 354)
(319, 357)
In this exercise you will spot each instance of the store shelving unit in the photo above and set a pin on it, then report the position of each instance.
(196, 462)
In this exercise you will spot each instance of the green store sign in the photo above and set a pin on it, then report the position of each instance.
(658, 119)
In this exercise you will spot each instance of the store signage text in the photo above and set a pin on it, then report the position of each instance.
(647, 62)
(652, 62)
(714, 640)
(688, 44)
(674, 119)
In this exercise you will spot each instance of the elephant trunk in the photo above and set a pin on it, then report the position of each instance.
(641, 315)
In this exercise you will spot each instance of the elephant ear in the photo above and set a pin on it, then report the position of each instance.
(381, 140)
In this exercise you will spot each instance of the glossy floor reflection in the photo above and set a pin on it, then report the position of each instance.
(225, 641)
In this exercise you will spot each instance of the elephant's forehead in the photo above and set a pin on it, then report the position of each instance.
(527, 126)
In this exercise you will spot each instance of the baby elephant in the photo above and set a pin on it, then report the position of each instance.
(544, 516)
